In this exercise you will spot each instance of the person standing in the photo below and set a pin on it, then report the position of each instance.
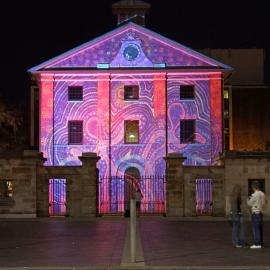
(237, 218)
(256, 202)
(138, 198)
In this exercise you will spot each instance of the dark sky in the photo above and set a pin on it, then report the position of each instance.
(32, 32)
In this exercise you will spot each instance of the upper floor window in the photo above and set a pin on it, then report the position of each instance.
(187, 92)
(6, 190)
(75, 132)
(131, 92)
(132, 131)
(187, 131)
(75, 93)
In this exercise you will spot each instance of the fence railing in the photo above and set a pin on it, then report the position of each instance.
(115, 192)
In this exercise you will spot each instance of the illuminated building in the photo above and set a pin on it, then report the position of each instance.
(132, 96)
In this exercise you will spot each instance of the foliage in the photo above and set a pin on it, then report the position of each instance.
(10, 124)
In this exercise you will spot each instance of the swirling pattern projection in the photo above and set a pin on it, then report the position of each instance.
(155, 48)
(147, 156)
(201, 152)
(150, 110)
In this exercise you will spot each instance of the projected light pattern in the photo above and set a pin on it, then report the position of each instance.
(107, 51)
(204, 197)
(57, 197)
(104, 110)
(199, 152)
(122, 188)
(149, 110)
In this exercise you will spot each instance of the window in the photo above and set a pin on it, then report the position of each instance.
(132, 131)
(6, 189)
(131, 92)
(187, 92)
(75, 132)
(187, 131)
(75, 93)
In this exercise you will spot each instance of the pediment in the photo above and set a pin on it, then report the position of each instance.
(131, 46)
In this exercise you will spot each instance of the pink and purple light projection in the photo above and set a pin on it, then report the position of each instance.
(104, 110)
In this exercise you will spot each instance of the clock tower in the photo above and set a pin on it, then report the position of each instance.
(131, 10)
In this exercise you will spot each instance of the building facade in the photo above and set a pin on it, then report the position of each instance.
(131, 96)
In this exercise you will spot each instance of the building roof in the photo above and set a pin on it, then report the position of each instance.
(131, 3)
(125, 28)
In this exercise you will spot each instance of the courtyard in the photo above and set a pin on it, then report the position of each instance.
(103, 242)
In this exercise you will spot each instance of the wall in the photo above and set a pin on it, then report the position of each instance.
(248, 64)
(30, 183)
(238, 169)
(30, 180)
(235, 168)
(251, 119)
(21, 170)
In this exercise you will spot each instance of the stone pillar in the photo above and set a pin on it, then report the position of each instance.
(42, 185)
(89, 182)
(174, 185)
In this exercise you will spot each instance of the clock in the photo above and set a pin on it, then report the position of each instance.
(131, 52)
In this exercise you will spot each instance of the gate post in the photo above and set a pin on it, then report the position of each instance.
(174, 185)
(89, 174)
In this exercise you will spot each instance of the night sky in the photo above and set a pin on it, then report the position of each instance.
(33, 32)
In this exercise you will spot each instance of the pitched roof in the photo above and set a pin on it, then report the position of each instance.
(131, 3)
(139, 28)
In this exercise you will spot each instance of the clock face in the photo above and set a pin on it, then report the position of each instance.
(131, 52)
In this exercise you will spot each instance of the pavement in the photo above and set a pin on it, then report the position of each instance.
(103, 243)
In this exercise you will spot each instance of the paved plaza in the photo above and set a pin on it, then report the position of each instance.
(102, 242)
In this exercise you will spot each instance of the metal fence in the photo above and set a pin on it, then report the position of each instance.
(115, 192)
(57, 197)
(204, 197)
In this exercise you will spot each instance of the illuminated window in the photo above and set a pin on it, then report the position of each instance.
(6, 190)
(226, 93)
(187, 92)
(187, 131)
(132, 131)
(131, 92)
(75, 93)
(75, 132)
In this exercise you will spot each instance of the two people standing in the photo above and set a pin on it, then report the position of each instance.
(256, 202)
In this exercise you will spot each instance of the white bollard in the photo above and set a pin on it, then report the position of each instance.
(133, 230)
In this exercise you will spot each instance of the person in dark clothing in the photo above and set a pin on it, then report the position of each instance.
(237, 218)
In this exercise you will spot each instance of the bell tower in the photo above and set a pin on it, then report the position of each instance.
(131, 10)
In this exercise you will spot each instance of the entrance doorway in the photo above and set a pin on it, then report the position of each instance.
(57, 197)
(131, 183)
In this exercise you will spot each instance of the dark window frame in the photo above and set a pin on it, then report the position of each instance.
(125, 131)
(186, 95)
(184, 139)
(131, 88)
(5, 192)
(75, 96)
(70, 133)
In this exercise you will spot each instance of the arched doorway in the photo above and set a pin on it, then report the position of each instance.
(132, 172)
(131, 183)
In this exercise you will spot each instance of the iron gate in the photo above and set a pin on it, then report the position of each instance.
(57, 197)
(115, 192)
(204, 200)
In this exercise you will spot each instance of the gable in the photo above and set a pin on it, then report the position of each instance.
(131, 46)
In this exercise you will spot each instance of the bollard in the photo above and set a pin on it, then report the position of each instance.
(133, 230)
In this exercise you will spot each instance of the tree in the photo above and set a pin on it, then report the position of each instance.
(10, 122)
